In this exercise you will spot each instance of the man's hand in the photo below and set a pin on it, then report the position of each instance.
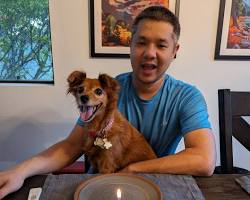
(125, 170)
(10, 181)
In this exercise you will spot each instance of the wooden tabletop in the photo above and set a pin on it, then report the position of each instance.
(219, 187)
(222, 186)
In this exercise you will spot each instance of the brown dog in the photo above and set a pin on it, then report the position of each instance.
(110, 141)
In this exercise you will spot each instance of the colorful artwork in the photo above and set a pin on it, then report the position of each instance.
(239, 25)
(111, 21)
(117, 17)
(233, 32)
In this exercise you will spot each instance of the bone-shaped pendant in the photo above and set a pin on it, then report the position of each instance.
(107, 144)
(103, 143)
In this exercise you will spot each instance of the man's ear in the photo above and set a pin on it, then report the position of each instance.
(109, 82)
(177, 46)
(74, 79)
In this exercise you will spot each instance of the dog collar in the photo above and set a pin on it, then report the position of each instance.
(101, 133)
(100, 136)
(108, 126)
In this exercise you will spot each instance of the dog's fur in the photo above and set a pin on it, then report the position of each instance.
(128, 145)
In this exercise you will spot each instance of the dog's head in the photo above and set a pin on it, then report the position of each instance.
(93, 96)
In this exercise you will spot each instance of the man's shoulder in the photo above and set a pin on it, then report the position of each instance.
(123, 78)
(180, 85)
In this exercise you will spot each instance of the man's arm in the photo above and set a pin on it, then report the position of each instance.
(52, 159)
(198, 158)
(55, 157)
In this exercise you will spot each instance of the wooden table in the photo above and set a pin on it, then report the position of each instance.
(219, 187)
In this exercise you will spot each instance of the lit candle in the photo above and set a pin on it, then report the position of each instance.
(119, 193)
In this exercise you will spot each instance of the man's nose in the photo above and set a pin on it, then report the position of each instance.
(150, 51)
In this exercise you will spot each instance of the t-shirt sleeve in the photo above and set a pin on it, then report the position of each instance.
(193, 111)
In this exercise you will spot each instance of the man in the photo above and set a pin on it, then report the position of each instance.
(162, 108)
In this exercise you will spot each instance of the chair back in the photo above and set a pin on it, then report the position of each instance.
(232, 106)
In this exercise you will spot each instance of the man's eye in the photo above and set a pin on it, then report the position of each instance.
(162, 46)
(80, 90)
(140, 43)
(98, 91)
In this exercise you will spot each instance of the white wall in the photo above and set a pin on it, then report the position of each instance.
(34, 117)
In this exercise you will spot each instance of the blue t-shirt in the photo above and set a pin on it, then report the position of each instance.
(175, 110)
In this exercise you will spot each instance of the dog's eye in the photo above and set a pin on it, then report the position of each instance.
(98, 91)
(80, 90)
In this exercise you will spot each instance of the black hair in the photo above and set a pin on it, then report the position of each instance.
(158, 13)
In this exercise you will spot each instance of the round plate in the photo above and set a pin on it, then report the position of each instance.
(118, 187)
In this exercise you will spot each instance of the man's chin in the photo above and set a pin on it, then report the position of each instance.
(148, 80)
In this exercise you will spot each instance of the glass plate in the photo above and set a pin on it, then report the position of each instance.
(118, 187)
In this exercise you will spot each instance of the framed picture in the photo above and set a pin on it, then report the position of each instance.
(25, 42)
(110, 23)
(233, 33)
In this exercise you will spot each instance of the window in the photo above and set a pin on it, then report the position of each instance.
(25, 42)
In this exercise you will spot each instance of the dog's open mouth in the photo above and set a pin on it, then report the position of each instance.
(87, 113)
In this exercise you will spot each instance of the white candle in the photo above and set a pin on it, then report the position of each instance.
(119, 193)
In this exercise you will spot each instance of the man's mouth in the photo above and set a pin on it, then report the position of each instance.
(87, 113)
(148, 68)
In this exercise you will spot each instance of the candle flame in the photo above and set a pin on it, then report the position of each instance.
(119, 193)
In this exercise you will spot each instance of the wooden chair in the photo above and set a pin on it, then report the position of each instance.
(232, 106)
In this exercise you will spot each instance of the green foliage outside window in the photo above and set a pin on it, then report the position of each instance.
(25, 41)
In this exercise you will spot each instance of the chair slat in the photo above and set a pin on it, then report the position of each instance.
(225, 119)
(240, 103)
(241, 131)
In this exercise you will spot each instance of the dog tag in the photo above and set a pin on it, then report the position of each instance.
(107, 144)
(103, 143)
(99, 142)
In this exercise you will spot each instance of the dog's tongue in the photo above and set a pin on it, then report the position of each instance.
(87, 113)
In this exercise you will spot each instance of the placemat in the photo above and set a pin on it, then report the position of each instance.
(244, 182)
(176, 187)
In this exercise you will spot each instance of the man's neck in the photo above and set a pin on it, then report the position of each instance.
(147, 90)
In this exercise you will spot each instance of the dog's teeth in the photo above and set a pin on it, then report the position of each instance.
(83, 109)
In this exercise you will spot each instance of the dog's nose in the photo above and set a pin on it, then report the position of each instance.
(84, 99)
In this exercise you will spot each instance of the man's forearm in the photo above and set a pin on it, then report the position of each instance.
(185, 162)
(52, 159)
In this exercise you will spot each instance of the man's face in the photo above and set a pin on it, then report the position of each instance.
(152, 49)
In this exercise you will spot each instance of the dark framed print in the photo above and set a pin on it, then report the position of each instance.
(110, 23)
(233, 32)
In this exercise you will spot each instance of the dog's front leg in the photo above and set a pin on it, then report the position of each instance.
(87, 143)
(108, 170)
(106, 166)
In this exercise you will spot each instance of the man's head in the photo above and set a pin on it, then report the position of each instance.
(154, 44)
(158, 13)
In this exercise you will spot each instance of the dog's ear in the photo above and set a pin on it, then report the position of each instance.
(111, 87)
(74, 79)
(108, 82)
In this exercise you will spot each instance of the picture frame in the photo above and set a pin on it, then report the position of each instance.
(233, 31)
(113, 47)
